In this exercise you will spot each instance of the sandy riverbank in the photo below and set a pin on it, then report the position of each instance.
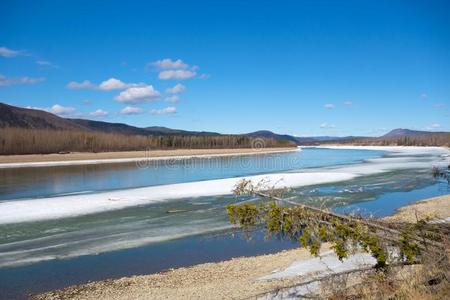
(434, 208)
(232, 279)
(127, 156)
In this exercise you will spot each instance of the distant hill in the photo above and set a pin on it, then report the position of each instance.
(158, 130)
(31, 131)
(12, 116)
(107, 127)
(18, 117)
(327, 139)
(400, 137)
(270, 134)
(300, 140)
(401, 132)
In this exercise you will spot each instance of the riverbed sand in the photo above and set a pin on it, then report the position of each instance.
(434, 208)
(74, 156)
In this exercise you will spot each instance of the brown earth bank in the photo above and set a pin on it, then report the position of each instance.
(74, 156)
(232, 279)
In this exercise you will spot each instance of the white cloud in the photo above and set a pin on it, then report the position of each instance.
(5, 81)
(178, 88)
(424, 96)
(433, 126)
(30, 80)
(56, 109)
(98, 113)
(46, 63)
(169, 64)
(138, 94)
(113, 84)
(348, 103)
(326, 125)
(131, 110)
(60, 110)
(329, 106)
(172, 99)
(174, 69)
(34, 107)
(440, 105)
(6, 52)
(107, 85)
(204, 76)
(167, 110)
(86, 84)
(176, 74)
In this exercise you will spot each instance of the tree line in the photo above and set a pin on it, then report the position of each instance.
(45, 141)
(437, 139)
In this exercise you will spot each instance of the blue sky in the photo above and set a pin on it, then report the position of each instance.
(297, 67)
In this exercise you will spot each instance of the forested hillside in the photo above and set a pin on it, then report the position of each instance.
(43, 141)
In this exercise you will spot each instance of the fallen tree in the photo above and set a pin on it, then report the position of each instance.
(391, 244)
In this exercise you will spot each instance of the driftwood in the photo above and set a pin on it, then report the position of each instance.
(174, 211)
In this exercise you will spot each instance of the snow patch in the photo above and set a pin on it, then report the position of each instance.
(16, 211)
(315, 268)
(326, 263)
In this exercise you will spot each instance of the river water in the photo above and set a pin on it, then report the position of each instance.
(70, 224)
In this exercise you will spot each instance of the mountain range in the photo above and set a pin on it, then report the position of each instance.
(19, 117)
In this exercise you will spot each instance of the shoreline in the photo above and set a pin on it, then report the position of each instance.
(382, 148)
(237, 278)
(82, 158)
(88, 158)
(436, 208)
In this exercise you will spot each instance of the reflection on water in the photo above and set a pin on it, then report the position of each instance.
(54, 181)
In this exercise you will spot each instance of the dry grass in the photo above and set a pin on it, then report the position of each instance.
(428, 280)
